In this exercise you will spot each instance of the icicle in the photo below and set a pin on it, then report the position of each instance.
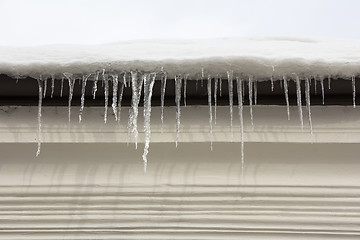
(62, 87)
(45, 87)
(216, 83)
(106, 93)
(329, 82)
(315, 83)
(148, 88)
(163, 90)
(251, 98)
(196, 85)
(307, 98)
(240, 106)
(298, 94)
(71, 81)
(185, 86)
(272, 83)
(40, 83)
(94, 90)
(82, 102)
(121, 93)
(286, 90)
(177, 101)
(136, 86)
(115, 80)
(322, 90)
(255, 92)
(220, 88)
(231, 96)
(210, 111)
(353, 90)
(52, 85)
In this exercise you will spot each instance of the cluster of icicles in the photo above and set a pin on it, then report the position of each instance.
(138, 80)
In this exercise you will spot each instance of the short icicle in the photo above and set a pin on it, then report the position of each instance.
(216, 83)
(52, 85)
(45, 87)
(353, 91)
(220, 86)
(250, 83)
(82, 101)
(240, 106)
(136, 87)
(163, 91)
(62, 87)
(94, 90)
(177, 101)
(298, 95)
(308, 102)
(286, 91)
(105, 81)
(210, 111)
(322, 90)
(149, 80)
(329, 82)
(185, 88)
(71, 82)
(272, 83)
(40, 85)
(231, 100)
(255, 92)
(114, 104)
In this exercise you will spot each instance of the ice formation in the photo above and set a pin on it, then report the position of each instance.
(136, 64)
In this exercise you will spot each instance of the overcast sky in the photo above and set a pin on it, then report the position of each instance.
(35, 22)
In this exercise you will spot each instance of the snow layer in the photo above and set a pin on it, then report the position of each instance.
(262, 58)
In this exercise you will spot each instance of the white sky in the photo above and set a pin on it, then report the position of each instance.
(35, 22)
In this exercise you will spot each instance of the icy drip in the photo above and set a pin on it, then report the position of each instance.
(136, 86)
(62, 87)
(298, 95)
(106, 93)
(322, 90)
(353, 90)
(177, 101)
(329, 82)
(45, 87)
(52, 85)
(272, 83)
(149, 80)
(255, 92)
(121, 93)
(251, 98)
(185, 87)
(240, 106)
(286, 90)
(82, 101)
(216, 82)
(231, 99)
(307, 98)
(71, 82)
(40, 83)
(163, 90)
(115, 81)
(210, 111)
(94, 90)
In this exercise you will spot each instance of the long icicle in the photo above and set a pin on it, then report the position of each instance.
(286, 90)
(353, 90)
(105, 81)
(45, 87)
(114, 104)
(82, 101)
(149, 80)
(210, 111)
(121, 93)
(298, 94)
(40, 83)
(308, 102)
(240, 106)
(177, 101)
(71, 82)
(94, 90)
(163, 91)
(251, 99)
(216, 83)
(52, 85)
(136, 85)
(231, 100)
(322, 90)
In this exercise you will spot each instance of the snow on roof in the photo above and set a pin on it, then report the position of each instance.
(259, 57)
